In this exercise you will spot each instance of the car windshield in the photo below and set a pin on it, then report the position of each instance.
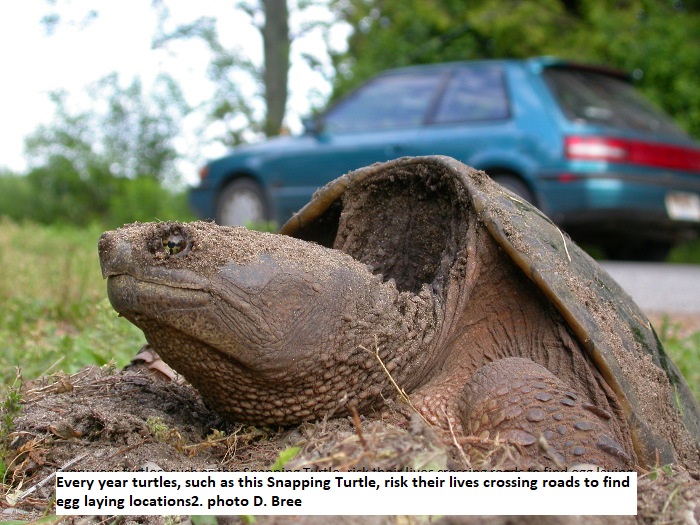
(591, 97)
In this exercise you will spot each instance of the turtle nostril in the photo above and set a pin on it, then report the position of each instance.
(115, 252)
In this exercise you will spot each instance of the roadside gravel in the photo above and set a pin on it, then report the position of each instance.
(662, 291)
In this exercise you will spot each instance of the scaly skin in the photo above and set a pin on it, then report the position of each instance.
(522, 402)
(263, 339)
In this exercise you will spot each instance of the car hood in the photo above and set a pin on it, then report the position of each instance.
(272, 145)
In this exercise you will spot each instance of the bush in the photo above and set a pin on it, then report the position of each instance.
(58, 193)
(144, 199)
(63, 195)
(16, 196)
(688, 252)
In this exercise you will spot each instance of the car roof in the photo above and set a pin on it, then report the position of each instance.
(537, 64)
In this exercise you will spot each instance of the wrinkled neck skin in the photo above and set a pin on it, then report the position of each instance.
(270, 339)
(288, 349)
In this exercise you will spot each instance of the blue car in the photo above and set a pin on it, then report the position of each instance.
(576, 140)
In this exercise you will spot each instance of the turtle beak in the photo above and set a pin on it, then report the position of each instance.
(120, 256)
(116, 255)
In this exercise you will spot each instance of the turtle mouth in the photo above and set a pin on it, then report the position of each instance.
(153, 297)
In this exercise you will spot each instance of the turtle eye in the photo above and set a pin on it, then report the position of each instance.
(174, 243)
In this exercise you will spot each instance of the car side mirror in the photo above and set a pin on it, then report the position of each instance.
(311, 126)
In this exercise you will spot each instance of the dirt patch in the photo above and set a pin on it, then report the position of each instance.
(105, 420)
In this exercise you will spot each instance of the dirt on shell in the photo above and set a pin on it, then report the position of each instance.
(107, 420)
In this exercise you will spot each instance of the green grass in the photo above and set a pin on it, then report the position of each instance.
(685, 352)
(686, 253)
(55, 314)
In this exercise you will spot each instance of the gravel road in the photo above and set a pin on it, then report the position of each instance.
(659, 288)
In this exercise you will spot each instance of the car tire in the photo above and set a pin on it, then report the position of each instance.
(650, 251)
(240, 203)
(515, 185)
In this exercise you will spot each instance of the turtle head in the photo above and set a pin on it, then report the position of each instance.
(242, 315)
(263, 301)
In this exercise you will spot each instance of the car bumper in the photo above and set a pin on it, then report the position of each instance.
(595, 205)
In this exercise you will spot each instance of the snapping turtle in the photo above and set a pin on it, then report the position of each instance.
(421, 273)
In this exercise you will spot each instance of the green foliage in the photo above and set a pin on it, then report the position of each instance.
(263, 226)
(144, 199)
(104, 165)
(284, 457)
(159, 429)
(405, 32)
(685, 352)
(686, 253)
(205, 520)
(656, 40)
(233, 104)
(9, 409)
(61, 194)
(660, 471)
(57, 194)
(126, 132)
(16, 196)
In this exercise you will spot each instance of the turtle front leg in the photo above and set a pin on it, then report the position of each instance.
(523, 403)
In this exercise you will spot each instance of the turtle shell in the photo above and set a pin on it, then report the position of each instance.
(418, 206)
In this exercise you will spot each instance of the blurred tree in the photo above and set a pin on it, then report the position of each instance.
(394, 33)
(657, 40)
(61, 193)
(230, 102)
(125, 133)
(91, 165)
(56, 16)
(250, 97)
(275, 33)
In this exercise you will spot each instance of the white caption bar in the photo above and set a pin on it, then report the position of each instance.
(340, 493)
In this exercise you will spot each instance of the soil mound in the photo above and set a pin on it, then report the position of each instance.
(105, 420)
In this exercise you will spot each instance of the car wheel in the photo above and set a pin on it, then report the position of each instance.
(515, 185)
(241, 202)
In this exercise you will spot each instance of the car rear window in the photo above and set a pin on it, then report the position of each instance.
(393, 101)
(473, 94)
(592, 97)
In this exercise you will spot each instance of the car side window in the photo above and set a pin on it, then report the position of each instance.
(394, 101)
(474, 93)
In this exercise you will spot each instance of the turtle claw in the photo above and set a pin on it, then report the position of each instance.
(524, 404)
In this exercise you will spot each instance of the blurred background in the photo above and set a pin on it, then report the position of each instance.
(109, 109)
(104, 105)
